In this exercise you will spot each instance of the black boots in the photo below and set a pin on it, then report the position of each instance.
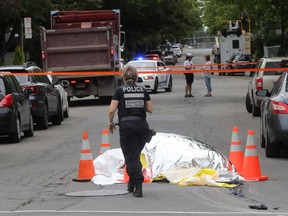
(138, 190)
(131, 186)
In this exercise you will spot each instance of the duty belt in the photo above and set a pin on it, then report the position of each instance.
(131, 118)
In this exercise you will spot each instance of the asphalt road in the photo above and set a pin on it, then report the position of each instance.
(37, 173)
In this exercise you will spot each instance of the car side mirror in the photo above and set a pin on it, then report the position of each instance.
(65, 83)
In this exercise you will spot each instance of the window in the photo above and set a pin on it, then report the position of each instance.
(235, 44)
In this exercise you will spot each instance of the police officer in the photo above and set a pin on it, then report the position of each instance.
(132, 102)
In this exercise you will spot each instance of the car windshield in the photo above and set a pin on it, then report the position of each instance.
(143, 66)
(273, 65)
(21, 78)
(169, 53)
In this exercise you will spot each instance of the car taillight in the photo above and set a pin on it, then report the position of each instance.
(87, 81)
(73, 81)
(259, 83)
(154, 58)
(279, 108)
(6, 101)
(34, 89)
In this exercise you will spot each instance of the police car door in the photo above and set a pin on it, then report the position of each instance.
(162, 73)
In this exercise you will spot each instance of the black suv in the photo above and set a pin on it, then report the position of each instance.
(44, 96)
(15, 109)
(239, 61)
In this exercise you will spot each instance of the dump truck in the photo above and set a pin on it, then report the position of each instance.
(82, 46)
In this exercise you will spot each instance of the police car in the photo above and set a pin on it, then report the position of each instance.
(157, 79)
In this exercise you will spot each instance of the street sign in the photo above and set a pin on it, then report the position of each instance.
(27, 22)
(27, 28)
(28, 33)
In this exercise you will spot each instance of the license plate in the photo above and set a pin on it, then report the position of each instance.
(80, 85)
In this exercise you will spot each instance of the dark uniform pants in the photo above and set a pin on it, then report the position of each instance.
(133, 135)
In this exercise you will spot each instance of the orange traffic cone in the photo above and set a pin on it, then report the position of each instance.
(251, 167)
(236, 155)
(105, 144)
(86, 167)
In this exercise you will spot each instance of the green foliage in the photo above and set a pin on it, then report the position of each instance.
(18, 57)
(269, 20)
(147, 23)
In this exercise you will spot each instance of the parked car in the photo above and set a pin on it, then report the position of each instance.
(45, 97)
(153, 55)
(274, 117)
(240, 61)
(63, 94)
(176, 50)
(15, 109)
(170, 58)
(153, 81)
(262, 80)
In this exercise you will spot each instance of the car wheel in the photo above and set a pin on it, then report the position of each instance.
(155, 89)
(43, 122)
(272, 149)
(248, 103)
(57, 119)
(66, 112)
(262, 137)
(170, 85)
(255, 109)
(15, 136)
(30, 131)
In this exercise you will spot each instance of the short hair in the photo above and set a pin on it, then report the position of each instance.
(130, 72)
(207, 57)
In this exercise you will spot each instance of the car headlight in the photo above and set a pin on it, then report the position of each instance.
(148, 77)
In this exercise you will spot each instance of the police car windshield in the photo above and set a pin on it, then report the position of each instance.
(144, 66)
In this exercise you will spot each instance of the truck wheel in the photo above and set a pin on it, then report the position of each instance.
(105, 100)
(248, 103)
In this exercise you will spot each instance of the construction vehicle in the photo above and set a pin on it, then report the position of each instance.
(81, 42)
(235, 39)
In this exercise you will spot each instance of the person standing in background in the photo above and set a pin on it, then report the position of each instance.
(188, 65)
(207, 75)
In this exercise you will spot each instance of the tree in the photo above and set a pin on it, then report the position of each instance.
(12, 13)
(18, 57)
(148, 23)
(268, 20)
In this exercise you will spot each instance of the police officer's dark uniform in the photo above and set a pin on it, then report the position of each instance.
(133, 129)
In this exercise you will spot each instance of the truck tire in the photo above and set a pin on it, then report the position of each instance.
(105, 100)
(248, 103)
